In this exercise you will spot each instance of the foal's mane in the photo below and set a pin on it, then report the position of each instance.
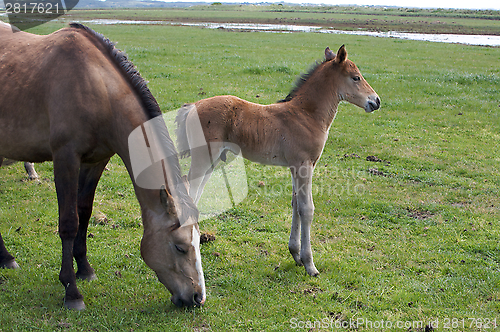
(152, 108)
(128, 69)
(301, 80)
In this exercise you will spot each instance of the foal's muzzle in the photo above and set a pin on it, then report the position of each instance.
(372, 104)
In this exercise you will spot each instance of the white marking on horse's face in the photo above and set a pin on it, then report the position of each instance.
(196, 244)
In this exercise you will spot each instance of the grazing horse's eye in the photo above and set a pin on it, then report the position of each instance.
(180, 249)
(356, 78)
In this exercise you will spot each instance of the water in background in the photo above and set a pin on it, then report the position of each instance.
(481, 40)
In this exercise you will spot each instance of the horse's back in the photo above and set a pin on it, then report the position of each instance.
(53, 89)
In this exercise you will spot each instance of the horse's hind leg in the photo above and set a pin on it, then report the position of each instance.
(30, 169)
(87, 184)
(7, 261)
(302, 177)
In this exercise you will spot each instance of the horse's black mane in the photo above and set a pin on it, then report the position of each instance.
(152, 109)
(301, 80)
(128, 69)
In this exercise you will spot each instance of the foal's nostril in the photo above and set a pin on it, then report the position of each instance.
(374, 103)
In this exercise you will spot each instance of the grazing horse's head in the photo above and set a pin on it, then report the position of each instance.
(352, 87)
(171, 247)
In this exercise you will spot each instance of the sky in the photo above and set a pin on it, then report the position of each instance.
(467, 4)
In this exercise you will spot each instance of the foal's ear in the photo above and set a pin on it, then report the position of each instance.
(329, 55)
(341, 54)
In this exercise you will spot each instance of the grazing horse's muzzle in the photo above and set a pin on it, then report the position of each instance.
(196, 301)
(372, 104)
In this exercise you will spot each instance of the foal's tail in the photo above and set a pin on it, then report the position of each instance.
(182, 141)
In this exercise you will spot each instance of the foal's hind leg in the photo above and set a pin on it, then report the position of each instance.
(199, 173)
(302, 181)
(202, 166)
(30, 169)
(294, 242)
(87, 184)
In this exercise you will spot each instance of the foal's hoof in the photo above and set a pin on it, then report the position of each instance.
(74, 305)
(33, 177)
(10, 265)
(313, 272)
(296, 258)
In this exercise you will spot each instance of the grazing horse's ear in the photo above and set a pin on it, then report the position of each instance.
(186, 182)
(329, 55)
(341, 54)
(167, 201)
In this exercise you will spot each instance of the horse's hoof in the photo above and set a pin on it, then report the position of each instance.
(87, 277)
(74, 304)
(10, 265)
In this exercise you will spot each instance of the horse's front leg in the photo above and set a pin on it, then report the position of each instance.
(7, 261)
(302, 181)
(66, 170)
(87, 184)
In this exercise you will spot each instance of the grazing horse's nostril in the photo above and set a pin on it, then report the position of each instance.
(378, 102)
(198, 300)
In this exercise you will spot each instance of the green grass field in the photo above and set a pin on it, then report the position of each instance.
(416, 239)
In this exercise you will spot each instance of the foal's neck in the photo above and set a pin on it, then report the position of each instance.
(320, 100)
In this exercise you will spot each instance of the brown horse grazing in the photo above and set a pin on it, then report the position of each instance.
(73, 98)
(30, 169)
(289, 133)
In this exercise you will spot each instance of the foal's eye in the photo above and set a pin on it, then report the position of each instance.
(180, 249)
(356, 78)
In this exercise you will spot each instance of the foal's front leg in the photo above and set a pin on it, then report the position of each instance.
(304, 211)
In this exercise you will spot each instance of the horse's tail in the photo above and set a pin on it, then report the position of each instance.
(182, 140)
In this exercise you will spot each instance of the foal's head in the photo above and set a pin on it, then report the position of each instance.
(171, 247)
(352, 87)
